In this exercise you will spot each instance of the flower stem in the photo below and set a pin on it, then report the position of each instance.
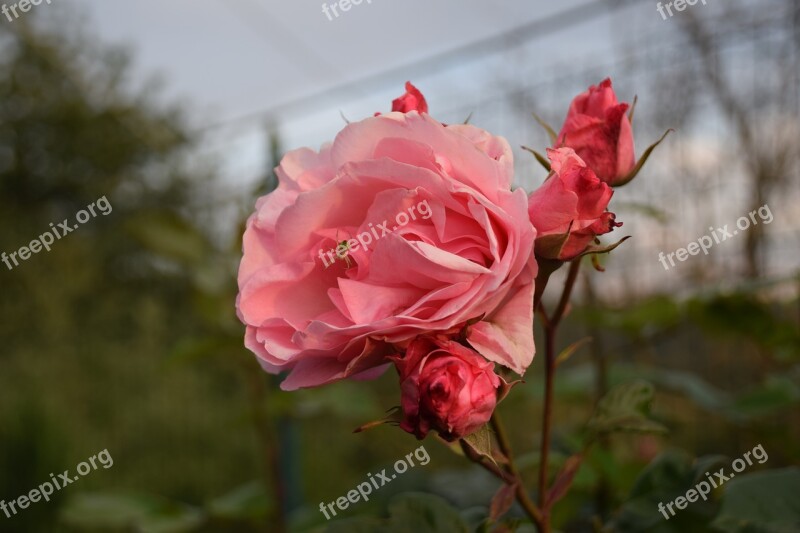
(558, 314)
(492, 468)
(522, 496)
(550, 330)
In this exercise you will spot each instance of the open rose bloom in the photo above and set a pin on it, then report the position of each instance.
(449, 242)
(401, 242)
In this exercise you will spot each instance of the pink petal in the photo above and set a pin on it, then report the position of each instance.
(507, 336)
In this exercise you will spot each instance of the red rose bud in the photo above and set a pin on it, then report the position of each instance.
(411, 101)
(569, 209)
(445, 387)
(598, 129)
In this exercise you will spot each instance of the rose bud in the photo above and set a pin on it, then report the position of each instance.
(412, 100)
(446, 387)
(599, 130)
(569, 209)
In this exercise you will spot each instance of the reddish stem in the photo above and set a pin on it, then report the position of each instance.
(550, 330)
(522, 496)
(510, 475)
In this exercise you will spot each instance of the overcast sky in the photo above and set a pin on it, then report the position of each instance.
(232, 58)
(228, 59)
(237, 56)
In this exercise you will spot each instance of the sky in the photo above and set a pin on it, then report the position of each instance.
(236, 64)
(238, 58)
(235, 56)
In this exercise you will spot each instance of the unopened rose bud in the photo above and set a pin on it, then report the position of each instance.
(446, 387)
(412, 100)
(569, 209)
(598, 129)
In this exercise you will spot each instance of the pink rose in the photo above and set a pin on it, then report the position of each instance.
(569, 209)
(598, 129)
(401, 227)
(446, 387)
(412, 100)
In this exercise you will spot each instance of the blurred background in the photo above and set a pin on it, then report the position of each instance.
(124, 338)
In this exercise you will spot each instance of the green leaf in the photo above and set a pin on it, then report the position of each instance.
(97, 510)
(670, 475)
(642, 160)
(568, 352)
(505, 387)
(602, 249)
(776, 394)
(762, 502)
(549, 129)
(625, 409)
(550, 246)
(481, 441)
(454, 447)
(540, 158)
(633, 108)
(248, 502)
(394, 417)
(130, 512)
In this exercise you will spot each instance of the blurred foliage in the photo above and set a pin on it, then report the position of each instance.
(765, 502)
(740, 313)
(87, 327)
(145, 513)
(625, 409)
(670, 475)
(409, 512)
(32, 449)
